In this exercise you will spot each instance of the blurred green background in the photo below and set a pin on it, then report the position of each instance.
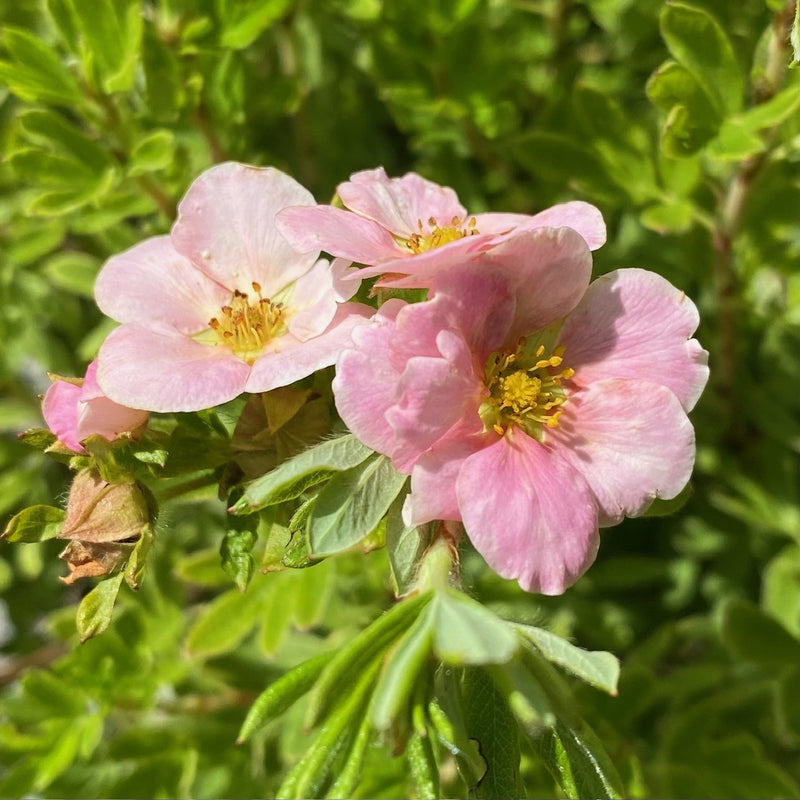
(679, 121)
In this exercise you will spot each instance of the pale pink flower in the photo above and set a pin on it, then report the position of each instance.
(408, 229)
(223, 305)
(528, 404)
(77, 408)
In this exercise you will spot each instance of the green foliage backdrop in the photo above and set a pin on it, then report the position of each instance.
(679, 120)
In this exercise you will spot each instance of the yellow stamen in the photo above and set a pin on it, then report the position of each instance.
(439, 235)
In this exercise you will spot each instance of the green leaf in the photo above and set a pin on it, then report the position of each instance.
(599, 668)
(663, 508)
(279, 696)
(354, 656)
(575, 765)
(34, 524)
(466, 632)
(152, 153)
(672, 217)
(401, 670)
(235, 550)
(735, 142)
(50, 169)
(227, 620)
(490, 722)
(36, 73)
(134, 570)
(780, 594)
(95, 610)
(423, 768)
(754, 637)
(112, 33)
(774, 111)
(405, 546)
(691, 119)
(696, 40)
(252, 19)
(72, 271)
(301, 472)
(203, 568)
(352, 504)
(794, 36)
(51, 131)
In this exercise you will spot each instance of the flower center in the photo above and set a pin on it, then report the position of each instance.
(247, 325)
(525, 389)
(438, 235)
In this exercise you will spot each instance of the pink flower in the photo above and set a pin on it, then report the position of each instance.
(223, 305)
(528, 404)
(75, 410)
(408, 229)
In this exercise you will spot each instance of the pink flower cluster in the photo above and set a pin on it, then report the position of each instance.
(523, 400)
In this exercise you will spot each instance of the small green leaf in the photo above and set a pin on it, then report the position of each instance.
(696, 40)
(352, 504)
(780, 594)
(466, 632)
(599, 668)
(774, 111)
(95, 610)
(236, 547)
(36, 73)
(251, 21)
(301, 472)
(203, 568)
(134, 570)
(34, 524)
(152, 153)
(422, 765)
(279, 696)
(753, 637)
(490, 722)
(347, 776)
(673, 217)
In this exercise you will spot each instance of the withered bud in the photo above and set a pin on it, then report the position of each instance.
(103, 521)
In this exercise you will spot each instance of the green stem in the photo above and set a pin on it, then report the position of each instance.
(180, 489)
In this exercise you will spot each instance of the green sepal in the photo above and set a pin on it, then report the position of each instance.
(95, 610)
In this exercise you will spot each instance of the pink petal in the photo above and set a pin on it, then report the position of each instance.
(226, 226)
(158, 369)
(632, 323)
(316, 295)
(475, 302)
(400, 204)
(152, 282)
(433, 395)
(548, 269)
(60, 412)
(433, 478)
(528, 513)
(288, 359)
(338, 232)
(99, 415)
(631, 441)
(365, 385)
(581, 217)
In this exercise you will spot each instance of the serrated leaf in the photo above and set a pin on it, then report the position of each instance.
(36, 73)
(34, 524)
(466, 632)
(598, 668)
(352, 504)
(697, 41)
(301, 472)
(95, 610)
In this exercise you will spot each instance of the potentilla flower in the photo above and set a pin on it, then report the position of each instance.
(76, 408)
(408, 229)
(528, 404)
(224, 304)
